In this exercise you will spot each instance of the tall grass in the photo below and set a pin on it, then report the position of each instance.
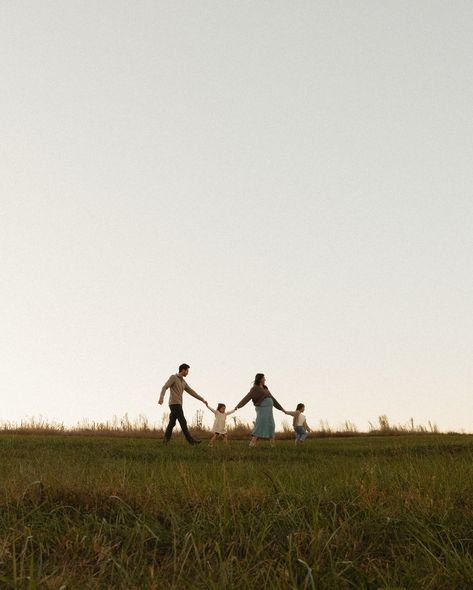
(131, 513)
(142, 427)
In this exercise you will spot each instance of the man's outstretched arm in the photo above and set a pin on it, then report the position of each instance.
(190, 391)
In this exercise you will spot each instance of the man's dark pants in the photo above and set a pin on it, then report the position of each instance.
(177, 414)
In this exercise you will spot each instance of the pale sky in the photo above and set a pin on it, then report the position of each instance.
(276, 187)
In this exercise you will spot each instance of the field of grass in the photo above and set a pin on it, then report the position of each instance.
(124, 513)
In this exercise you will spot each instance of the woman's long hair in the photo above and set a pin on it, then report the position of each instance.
(258, 378)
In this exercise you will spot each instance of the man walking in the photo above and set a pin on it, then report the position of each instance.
(177, 385)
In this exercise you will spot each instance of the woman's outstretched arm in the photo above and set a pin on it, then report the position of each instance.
(245, 400)
(277, 405)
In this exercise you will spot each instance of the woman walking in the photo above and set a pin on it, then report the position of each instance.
(264, 403)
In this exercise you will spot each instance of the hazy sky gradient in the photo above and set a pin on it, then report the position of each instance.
(283, 187)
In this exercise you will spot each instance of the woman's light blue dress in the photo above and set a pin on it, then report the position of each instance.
(264, 426)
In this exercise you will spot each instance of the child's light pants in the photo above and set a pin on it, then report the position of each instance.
(300, 432)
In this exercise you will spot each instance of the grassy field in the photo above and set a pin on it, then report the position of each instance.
(116, 512)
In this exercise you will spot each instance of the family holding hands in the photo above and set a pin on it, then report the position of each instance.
(259, 394)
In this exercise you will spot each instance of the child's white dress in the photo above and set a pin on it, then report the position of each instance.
(219, 425)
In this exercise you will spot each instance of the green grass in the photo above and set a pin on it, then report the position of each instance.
(364, 512)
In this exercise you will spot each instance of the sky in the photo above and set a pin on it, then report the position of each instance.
(279, 187)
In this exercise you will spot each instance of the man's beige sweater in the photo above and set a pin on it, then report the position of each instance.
(177, 385)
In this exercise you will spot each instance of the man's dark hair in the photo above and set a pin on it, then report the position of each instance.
(183, 366)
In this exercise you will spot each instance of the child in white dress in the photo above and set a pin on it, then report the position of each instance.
(219, 428)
